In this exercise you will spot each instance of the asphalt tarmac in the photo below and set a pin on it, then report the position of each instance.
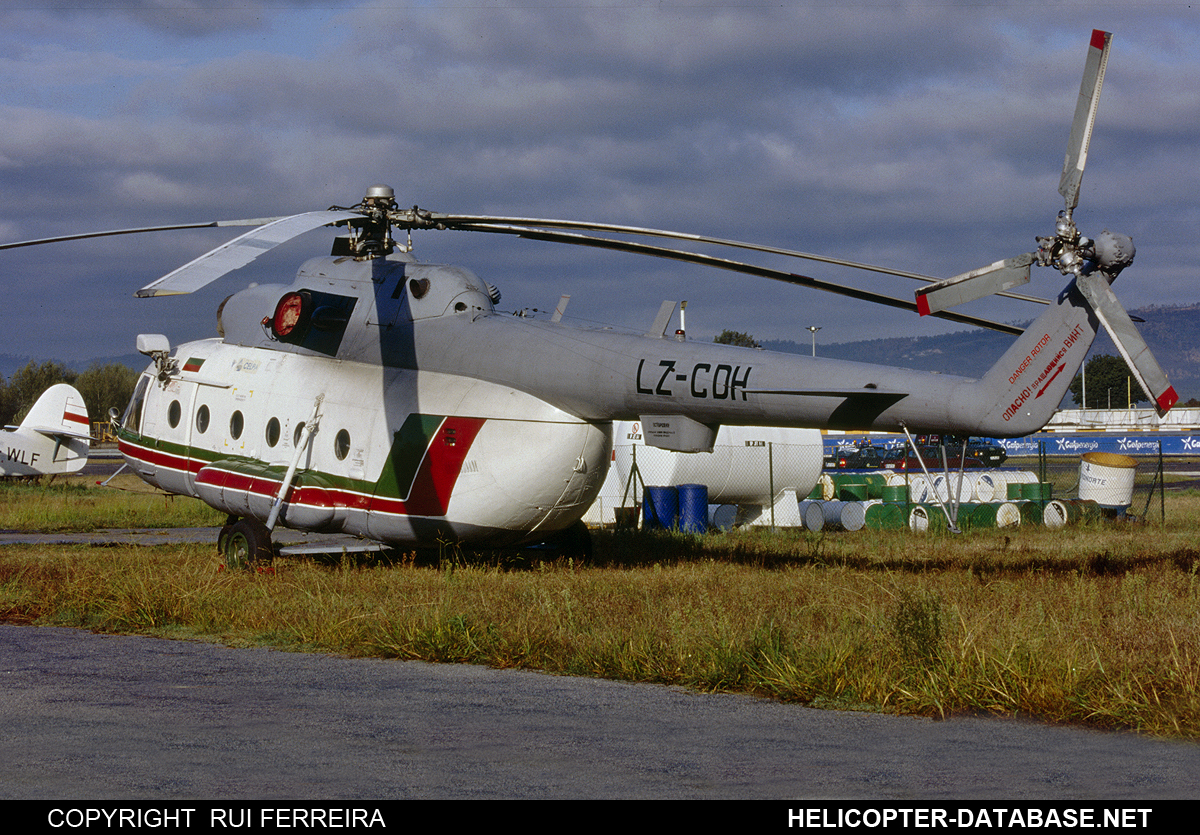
(118, 717)
(113, 717)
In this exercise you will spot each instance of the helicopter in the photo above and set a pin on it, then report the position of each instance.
(53, 439)
(384, 397)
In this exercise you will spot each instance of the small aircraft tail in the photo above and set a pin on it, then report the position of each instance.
(1021, 392)
(60, 411)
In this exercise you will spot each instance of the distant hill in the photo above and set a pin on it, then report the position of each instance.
(1173, 334)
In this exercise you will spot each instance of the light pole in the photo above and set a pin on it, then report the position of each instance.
(814, 330)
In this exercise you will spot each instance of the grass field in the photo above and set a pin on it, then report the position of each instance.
(1096, 625)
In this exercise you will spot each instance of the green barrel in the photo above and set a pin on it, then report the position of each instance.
(1062, 512)
(886, 517)
(1037, 491)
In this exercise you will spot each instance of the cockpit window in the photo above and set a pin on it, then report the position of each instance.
(132, 419)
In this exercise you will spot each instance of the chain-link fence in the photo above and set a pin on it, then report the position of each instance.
(1127, 487)
(753, 482)
(769, 485)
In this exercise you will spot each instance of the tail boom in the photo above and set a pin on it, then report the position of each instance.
(1021, 392)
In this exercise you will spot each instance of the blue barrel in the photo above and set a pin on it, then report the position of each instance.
(693, 508)
(660, 508)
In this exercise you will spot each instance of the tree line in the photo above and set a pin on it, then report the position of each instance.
(103, 387)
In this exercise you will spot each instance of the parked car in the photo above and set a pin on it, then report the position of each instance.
(987, 451)
(981, 452)
(862, 458)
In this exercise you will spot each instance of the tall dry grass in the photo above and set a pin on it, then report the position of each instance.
(76, 503)
(1097, 625)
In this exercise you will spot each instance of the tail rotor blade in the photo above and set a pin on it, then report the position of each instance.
(1085, 118)
(1129, 342)
(967, 287)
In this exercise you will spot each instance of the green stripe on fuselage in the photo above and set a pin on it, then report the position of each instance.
(409, 446)
(408, 450)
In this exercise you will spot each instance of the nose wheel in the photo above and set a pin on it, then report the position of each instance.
(245, 544)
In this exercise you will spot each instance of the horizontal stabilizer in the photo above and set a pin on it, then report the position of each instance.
(967, 287)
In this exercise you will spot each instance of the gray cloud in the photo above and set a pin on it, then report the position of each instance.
(927, 138)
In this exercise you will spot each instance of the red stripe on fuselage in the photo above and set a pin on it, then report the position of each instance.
(439, 471)
(429, 494)
(158, 458)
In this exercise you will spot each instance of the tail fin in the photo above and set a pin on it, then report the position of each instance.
(60, 411)
(1021, 392)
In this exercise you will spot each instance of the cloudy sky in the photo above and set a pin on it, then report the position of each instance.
(926, 137)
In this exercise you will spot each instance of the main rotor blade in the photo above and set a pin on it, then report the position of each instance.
(738, 266)
(1085, 118)
(240, 251)
(260, 221)
(975, 284)
(513, 225)
(473, 222)
(1129, 342)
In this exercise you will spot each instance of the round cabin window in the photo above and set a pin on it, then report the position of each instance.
(236, 424)
(174, 412)
(202, 419)
(341, 445)
(272, 431)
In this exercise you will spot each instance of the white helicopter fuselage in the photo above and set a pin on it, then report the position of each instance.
(398, 456)
(436, 416)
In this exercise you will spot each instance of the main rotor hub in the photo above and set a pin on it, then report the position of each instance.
(380, 193)
(371, 237)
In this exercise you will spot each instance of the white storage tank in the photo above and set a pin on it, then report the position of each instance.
(738, 470)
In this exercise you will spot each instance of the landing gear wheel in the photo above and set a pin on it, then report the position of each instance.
(246, 544)
(223, 536)
(574, 543)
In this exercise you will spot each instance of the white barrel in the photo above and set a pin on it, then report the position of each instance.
(1107, 478)
(854, 514)
(814, 516)
(985, 489)
(919, 518)
(833, 514)
(803, 507)
(1008, 515)
(920, 490)
(825, 483)
(1000, 482)
(723, 517)
(951, 487)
